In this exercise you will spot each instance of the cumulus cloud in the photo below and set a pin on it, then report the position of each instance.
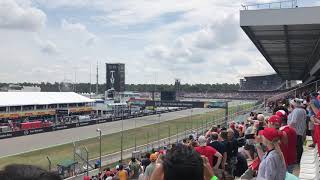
(78, 28)
(14, 16)
(49, 47)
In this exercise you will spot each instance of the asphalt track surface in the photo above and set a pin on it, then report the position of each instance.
(18, 145)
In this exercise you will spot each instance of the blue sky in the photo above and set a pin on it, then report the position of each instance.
(195, 41)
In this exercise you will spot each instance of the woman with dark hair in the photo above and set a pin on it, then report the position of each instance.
(183, 163)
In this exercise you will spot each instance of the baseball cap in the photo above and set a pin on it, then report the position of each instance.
(270, 133)
(202, 141)
(275, 119)
(153, 157)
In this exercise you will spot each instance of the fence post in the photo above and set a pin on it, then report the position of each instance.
(177, 134)
(169, 134)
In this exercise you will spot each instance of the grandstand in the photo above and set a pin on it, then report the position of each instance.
(262, 83)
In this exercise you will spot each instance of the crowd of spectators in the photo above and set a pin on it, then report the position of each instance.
(263, 147)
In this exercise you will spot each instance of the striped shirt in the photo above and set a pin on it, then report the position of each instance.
(297, 119)
(272, 167)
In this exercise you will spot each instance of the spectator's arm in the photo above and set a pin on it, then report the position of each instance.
(219, 156)
(314, 108)
(224, 160)
(259, 150)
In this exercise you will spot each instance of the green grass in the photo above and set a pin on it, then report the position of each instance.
(111, 142)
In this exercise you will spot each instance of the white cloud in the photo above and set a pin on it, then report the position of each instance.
(20, 17)
(78, 28)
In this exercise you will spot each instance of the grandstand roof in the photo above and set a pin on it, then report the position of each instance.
(40, 98)
(287, 38)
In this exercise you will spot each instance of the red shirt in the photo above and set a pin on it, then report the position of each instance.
(290, 151)
(208, 152)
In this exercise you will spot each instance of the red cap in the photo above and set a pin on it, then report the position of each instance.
(86, 177)
(281, 113)
(270, 133)
(275, 119)
(232, 126)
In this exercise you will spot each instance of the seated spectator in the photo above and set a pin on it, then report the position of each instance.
(26, 172)
(182, 163)
(122, 174)
(208, 152)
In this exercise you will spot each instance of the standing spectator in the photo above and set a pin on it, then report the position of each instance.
(235, 131)
(272, 166)
(208, 152)
(289, 146)
(135, 168)
(150, 168)
(297, 120)
(313, 109)
(214, 143)
(145, 161)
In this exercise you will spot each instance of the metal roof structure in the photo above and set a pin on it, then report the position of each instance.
(41, 98)
(288, 39)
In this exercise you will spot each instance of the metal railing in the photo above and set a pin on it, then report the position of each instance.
(272, 5)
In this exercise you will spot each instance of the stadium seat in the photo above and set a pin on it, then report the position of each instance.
(309, 166)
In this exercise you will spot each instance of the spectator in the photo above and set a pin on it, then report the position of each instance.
(135, 169)
(150, 168)
(231, 146)
(297, 120)
(145, 161)
(289, 146)
(182, 163)
(26, 172)
(208, 152)
(219, 146)
(122, 174)
(235, 131)
(272, 166)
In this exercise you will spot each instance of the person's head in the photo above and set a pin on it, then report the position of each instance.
(133, 159)
(181, 162)
(148, 155)
(270, 136)
(274, 122)
(26, 172)
(194, 144)
(214, 136)
(214, 129)
(153, 157)
(120, 167)
(224, 135)
(260, 117)
(230, 133)
(202, 141)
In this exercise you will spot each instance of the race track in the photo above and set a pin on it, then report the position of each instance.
(23, 144)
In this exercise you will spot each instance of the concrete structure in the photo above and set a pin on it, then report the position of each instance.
(288, 38)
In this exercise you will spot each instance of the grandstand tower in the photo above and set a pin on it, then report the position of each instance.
(287, 36)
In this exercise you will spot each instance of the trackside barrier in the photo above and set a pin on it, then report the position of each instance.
(127, 153)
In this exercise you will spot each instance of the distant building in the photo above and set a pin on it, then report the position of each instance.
(115, 77)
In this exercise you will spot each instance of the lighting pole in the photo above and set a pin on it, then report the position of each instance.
(135, 135)
(159, 129)
(121, 146)
(100, 135)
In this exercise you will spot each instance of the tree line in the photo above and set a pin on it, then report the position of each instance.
(85, 87)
